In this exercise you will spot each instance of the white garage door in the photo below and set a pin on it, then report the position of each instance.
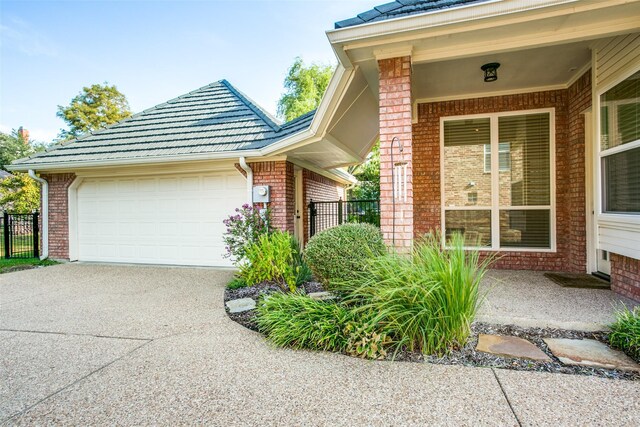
(173, 219)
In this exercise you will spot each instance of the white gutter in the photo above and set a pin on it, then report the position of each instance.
(45, 213)
(245, 167)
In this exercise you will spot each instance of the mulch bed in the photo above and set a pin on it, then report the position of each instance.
(248, 318)
(466, 356)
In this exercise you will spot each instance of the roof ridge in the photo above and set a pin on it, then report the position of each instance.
(263, 114)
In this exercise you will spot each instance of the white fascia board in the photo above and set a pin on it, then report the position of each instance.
(496, 9)
(345, 179)
(71, 166)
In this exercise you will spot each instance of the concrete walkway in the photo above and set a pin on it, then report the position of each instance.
(92, 344)
(529, 299)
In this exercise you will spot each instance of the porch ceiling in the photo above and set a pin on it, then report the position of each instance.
(520, 70)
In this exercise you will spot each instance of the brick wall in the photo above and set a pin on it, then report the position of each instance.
(570, 159)
(395, 121)
(625, 276)
(59, 214)
(579, 98)
(320, 189)
(279, 176)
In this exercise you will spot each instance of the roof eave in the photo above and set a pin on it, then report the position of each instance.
(439, 18)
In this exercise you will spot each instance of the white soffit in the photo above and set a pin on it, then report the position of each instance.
(552, 66)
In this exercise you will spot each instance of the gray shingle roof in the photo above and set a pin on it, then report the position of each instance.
(215, 118)
(399, 8)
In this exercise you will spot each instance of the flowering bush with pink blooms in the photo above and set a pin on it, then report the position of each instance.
(243, 229)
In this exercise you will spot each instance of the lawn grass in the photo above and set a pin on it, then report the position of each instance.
(7, 265)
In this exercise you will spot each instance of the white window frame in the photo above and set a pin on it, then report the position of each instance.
(495, 207)
(500, 151)
(628, 221)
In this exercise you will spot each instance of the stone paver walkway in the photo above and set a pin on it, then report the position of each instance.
(92, 344)
(509, 346)
(590, 353)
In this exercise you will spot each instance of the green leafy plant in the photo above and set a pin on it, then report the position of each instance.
(271, 259)
(341, 252)
(364, 341)
(236, 283)
(244, 228)
(297, 321)
(303, 272)
(625, 332)
(426, 300)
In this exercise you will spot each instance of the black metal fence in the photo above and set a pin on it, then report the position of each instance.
(20, 235)
(323, 215)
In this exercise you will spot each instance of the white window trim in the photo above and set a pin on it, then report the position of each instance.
(628, 221)
(500, 151)
(495, 181)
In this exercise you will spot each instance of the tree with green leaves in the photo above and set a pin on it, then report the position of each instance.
(18, 192)
(94, 108)
(304, 88)
(368, 175)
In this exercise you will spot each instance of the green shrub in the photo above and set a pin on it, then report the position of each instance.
(625, 332)
(425, 301)
(236, 283)
(270, 259)
(297, 321)
(341, 252)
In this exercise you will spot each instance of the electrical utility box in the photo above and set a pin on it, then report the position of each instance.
(261, 194)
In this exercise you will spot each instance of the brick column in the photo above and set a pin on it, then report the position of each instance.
(59, 214)
(395, 121)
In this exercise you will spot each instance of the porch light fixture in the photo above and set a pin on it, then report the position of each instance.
(490, 71)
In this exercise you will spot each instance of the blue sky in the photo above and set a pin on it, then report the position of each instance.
(153, 50)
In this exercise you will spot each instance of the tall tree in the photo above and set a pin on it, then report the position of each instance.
(18, 192)
(368, 175)
(304, 87)
(94, 108)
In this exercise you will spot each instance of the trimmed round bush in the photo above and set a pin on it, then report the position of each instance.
(340, 253)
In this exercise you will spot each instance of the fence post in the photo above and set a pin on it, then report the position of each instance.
(7, 240)
(312, 218)
(36, 235)
(340, 211)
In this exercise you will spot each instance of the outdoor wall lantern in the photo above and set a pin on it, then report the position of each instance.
(490, 71)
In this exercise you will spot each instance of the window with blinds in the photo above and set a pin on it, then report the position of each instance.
(620, 147)
(503, 204)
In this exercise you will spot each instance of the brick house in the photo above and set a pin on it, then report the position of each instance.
(515, 123)
(519, 123)
(155, 188)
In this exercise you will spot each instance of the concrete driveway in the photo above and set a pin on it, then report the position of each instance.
(93, 344)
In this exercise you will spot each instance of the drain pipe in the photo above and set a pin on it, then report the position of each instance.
(245, 167)
(45, 213)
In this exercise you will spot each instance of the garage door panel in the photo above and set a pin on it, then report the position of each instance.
(158, 220)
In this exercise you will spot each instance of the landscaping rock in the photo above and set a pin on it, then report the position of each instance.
(590, 353)
(510, 346)
(240, 305)
(321, 296)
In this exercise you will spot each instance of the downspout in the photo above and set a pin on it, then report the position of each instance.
(45, 213)
(245, 167)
